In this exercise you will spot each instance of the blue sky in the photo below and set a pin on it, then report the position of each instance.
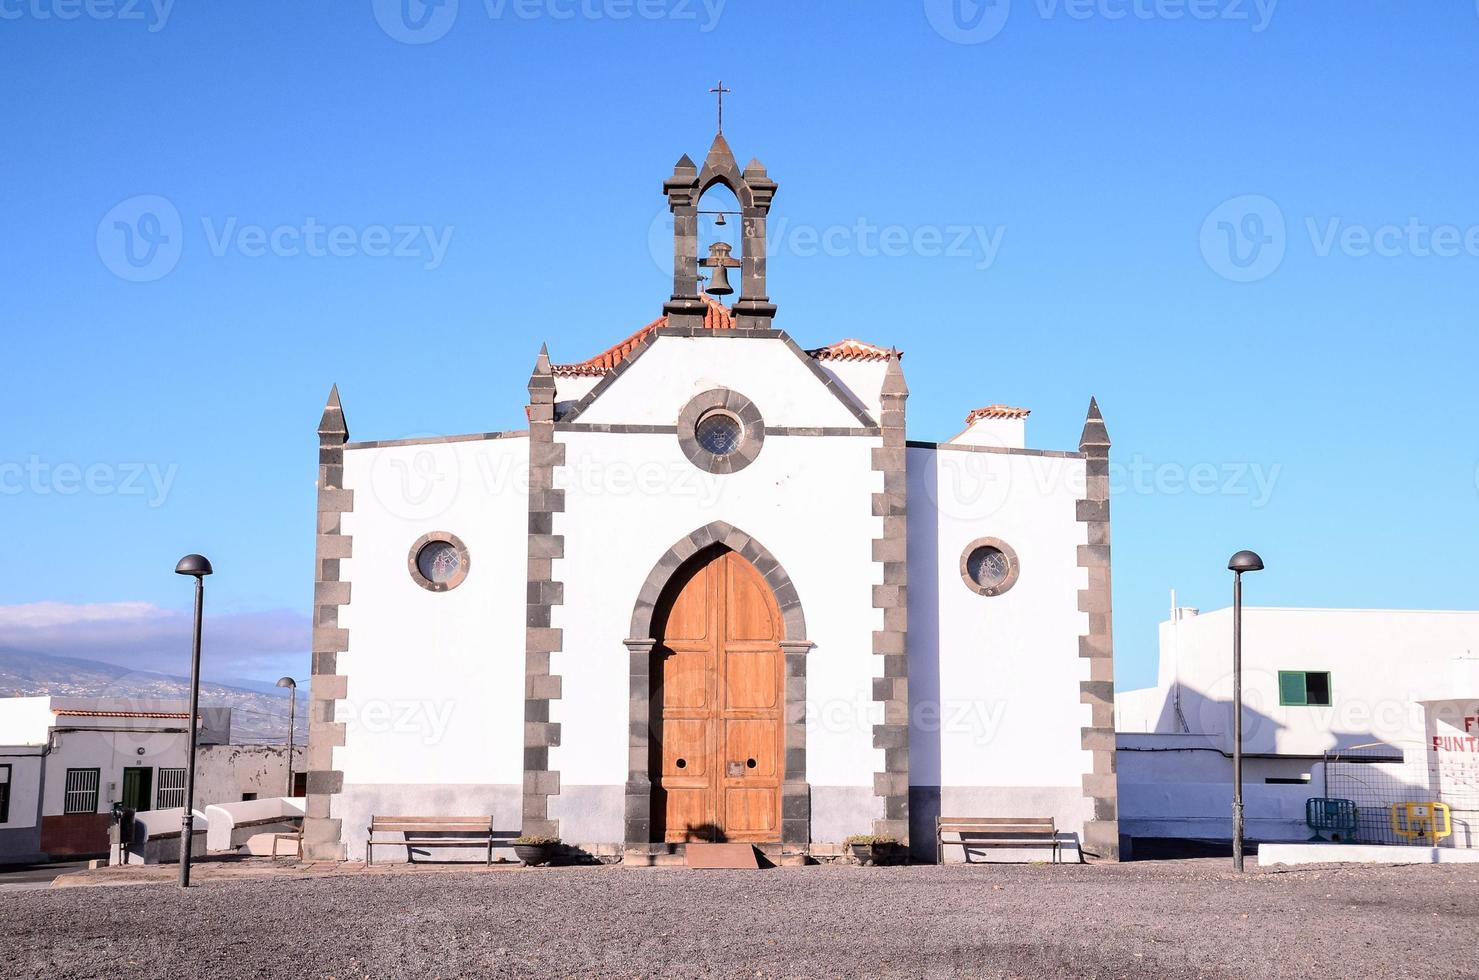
(1247, 228)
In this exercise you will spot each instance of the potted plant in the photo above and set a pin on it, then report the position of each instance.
(873, 849)
(535, 850)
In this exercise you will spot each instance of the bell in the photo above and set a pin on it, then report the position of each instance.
(720, 222)
(720, 261)
(719, 282)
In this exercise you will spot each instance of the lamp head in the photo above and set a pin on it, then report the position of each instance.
(1245, 561)
(286, 682)
(197, 565)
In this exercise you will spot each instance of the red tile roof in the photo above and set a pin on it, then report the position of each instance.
(851, 350)
(716, 317)
(997, 412)
(83, 713)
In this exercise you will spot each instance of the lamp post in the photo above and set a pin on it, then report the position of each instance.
(1243, 561)
(198, 568)
(292, 687)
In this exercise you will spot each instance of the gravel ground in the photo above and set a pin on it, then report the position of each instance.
(1165, 920)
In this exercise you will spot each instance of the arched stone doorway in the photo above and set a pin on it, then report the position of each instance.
(718, 682)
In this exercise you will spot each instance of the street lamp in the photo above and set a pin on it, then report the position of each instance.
(292, 687)
(1243, 561)
(198, 568)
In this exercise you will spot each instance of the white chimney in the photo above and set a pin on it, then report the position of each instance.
(995, 425)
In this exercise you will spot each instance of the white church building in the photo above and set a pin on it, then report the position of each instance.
(713, 592)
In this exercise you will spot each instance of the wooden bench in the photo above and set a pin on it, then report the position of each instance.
(995, 832)
(424, 831)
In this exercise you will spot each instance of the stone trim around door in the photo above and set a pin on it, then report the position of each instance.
(541, 638)
(891, 597)
(322, 833)
(795, 790)
(1101, 785)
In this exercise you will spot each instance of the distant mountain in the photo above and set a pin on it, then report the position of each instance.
(259, 716)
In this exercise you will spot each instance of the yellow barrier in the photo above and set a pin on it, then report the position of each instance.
(1417, 822)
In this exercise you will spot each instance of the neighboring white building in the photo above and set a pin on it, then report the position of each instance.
(1353, 684)
(64, 762)
(712, 591)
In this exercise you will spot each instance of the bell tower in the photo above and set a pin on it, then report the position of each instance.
(754, 190)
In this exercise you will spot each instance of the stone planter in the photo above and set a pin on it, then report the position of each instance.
(874, 855)
(533, 854)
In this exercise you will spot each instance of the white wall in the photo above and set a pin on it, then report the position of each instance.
(1008, 669)
(436, 680)
(25, 786)
(1380, 662)
(656, 386)
(224, 773)
(25, 721)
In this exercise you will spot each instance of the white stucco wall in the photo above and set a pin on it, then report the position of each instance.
(25, 721)
(1381, 663)
(25, 785)
(436, 680)
(225, 773)
(655, 387)
(1003, 670)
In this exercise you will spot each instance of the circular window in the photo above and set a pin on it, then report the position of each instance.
(989, 566)
(439, 562)
(721, 431)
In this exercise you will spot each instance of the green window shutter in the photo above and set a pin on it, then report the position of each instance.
(1291, 687)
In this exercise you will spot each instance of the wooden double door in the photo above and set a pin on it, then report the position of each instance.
(718, 708)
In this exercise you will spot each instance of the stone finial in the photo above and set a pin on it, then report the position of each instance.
(542, 381)
(1095, 438)
(893, 377)
(332, 428)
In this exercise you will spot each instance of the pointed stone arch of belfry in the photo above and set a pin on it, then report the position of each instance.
(795, 791)
(754, 190)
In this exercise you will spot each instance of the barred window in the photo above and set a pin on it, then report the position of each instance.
(171, 791)
(81, 791)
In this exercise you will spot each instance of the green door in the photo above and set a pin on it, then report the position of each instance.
(138, 787)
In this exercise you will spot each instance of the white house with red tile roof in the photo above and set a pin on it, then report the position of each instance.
(713, 592)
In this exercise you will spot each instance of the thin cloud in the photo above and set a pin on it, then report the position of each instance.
(142, 636)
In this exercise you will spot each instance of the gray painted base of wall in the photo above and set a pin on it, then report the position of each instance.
(357, 804)
(21, 845)
(838, 812)
(1065, 804)
(590, 814)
